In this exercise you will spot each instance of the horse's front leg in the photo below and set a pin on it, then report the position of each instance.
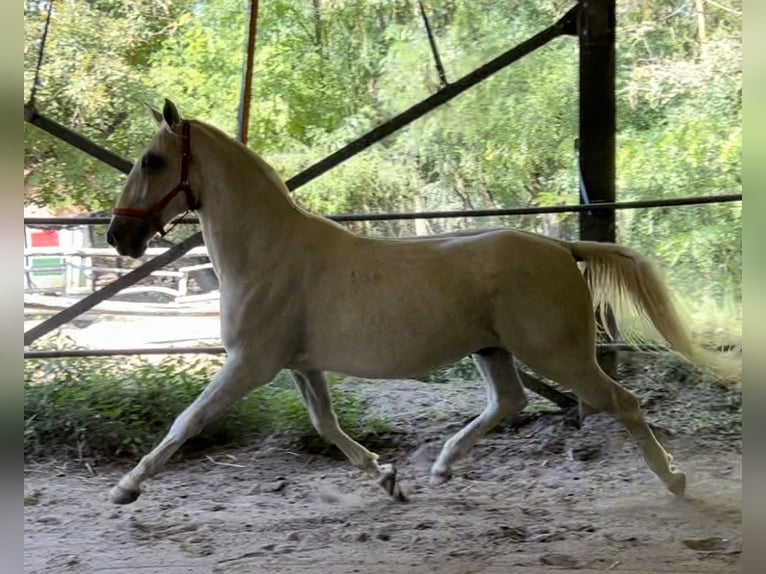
(312, 385)
(235, 379)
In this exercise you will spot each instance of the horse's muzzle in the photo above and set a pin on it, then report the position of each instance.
(128, 236)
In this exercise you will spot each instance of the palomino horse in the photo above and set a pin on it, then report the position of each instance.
(300, 292)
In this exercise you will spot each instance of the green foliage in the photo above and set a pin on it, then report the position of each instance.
(117, 408)
(681, 128)
(92, 81)
(463, 370)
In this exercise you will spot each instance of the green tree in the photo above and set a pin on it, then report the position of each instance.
(96, 57)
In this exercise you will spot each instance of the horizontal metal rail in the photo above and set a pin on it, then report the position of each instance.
(500, 212)
(80, 353)
(72, 353)
(101, 252)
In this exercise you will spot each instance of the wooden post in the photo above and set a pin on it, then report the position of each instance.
(597, 127)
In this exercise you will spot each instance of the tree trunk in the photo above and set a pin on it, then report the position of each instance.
(317, 26)
(699, 6)
(422, 226)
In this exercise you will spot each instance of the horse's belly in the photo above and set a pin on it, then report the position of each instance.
(399, 310)
(372, 348)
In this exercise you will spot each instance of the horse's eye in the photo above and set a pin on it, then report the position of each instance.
(151, 161)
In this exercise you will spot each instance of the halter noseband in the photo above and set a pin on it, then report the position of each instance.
(152, 215)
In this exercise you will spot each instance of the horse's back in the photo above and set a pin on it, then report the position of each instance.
(385, 303)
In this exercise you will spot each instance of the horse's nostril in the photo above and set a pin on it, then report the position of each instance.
(110, 238)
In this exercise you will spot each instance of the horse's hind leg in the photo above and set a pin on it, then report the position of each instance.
(505, 397)
(600, 391)
(230, 384)
(550, 326)
(313, 387)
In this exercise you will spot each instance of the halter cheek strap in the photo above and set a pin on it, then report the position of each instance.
(153, 214)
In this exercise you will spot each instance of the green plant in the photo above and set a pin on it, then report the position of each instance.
(463, 370)
(116, 408)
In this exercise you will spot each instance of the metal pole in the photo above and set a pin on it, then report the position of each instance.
(434, 50)
(213, 350)
(247, 78)
(397, 216)
(597, 119)
(40, 54)
(596, 153)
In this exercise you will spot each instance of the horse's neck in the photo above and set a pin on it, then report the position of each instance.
(246, 218)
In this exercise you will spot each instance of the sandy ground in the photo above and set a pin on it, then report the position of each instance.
(538, 495)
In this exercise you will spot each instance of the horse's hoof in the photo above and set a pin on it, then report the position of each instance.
(398, 495)
(120, 495)
(438, 478)
(389, 483)
(677, 483)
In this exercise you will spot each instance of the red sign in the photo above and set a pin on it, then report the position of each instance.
(46, 238)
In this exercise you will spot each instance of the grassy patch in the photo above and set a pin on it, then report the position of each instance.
(463, 370)
(123, 407)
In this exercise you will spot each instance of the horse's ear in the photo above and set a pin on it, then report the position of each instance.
(171, 116)
(154, 114)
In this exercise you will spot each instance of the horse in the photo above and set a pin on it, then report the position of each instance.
(300, 292)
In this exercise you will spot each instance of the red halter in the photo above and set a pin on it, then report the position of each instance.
(152, 215)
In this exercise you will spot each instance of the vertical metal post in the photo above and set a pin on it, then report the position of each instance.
(597, 127)
(247, 76)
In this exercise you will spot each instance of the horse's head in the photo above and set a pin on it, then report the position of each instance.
(157, 188)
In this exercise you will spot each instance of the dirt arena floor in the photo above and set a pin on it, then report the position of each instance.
(538, 495)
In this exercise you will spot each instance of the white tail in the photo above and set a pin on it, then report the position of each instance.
(634, 288)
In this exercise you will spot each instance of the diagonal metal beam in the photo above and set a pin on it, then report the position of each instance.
(112, 289)
(32, 116)
(563, 26)
(563, 400)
